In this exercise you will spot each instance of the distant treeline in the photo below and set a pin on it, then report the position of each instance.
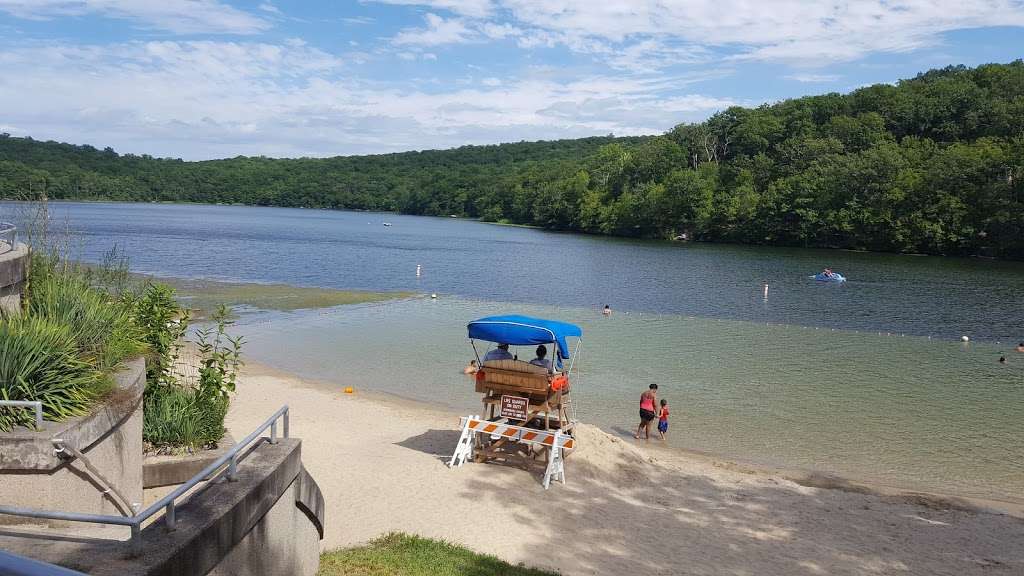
(934, 164)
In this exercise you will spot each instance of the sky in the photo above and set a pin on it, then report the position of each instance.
(201, 79)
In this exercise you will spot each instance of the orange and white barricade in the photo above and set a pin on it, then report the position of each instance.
(554, 440)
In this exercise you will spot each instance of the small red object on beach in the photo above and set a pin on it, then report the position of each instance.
(480, 375)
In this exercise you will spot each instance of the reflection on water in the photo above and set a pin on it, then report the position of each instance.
(905, 411)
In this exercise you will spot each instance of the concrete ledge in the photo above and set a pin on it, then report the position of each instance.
(209, 524)
(170, 470)
(12, 265)
(110, 439)
(12, 277)
(25, 450)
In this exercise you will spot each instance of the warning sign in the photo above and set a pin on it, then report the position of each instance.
(514, 407)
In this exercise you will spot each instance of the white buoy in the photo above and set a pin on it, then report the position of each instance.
(964, 338)
(434, 295)
(418, 270)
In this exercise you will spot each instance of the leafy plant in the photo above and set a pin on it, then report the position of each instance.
(163, 323)
(221, 355)
(187, 414)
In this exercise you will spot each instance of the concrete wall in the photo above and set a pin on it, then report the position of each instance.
(12, 277)
(268, 521)
(32, 475)
(284, 541)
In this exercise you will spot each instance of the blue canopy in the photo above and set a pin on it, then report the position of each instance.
(524, 330)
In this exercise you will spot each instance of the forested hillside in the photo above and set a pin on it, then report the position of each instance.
(933, 164)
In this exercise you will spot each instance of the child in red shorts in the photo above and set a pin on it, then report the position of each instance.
(663, 418)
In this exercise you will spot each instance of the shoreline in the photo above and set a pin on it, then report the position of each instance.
(679, 455)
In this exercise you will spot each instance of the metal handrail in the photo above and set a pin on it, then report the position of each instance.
(27, 404)
(6, 228)
(167, 502)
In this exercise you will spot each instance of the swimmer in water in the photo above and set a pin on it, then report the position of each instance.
(608, 312)
(1002, 359)
(471, 368)
(1020, 347)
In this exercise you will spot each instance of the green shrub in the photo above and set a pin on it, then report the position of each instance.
(40, 360)
(188, 414)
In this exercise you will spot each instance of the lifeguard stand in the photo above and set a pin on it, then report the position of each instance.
(528, 410)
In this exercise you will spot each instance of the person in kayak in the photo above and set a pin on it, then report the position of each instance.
(827, 272)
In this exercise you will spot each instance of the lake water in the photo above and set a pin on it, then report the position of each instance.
(867, 379)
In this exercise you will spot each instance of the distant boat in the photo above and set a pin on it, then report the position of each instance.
(835, 277)
(387, 223)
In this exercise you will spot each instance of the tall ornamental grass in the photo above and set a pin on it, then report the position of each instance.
(101, 323)
(64, 347)
(40, 360)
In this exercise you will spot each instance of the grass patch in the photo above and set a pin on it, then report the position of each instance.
(398, 554)
(206, 295)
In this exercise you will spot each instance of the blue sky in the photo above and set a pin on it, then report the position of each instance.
(200, 79)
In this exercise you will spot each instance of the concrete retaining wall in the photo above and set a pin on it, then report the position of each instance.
(33, 475)
(269, 521)
(12, 277)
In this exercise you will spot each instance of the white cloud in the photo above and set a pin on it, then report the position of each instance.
(218, 99)
(813, 78)
(791, 31)
(438, 31)
(474, 8)
(268, 7)
(178, 16)
(500, 31)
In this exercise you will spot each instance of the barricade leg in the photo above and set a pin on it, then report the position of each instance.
(556, 467)
(464, 449)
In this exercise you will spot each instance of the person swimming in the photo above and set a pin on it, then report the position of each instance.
(1020, 347)
(471, 368)
(607, 310)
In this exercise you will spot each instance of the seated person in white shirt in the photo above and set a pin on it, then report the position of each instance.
(499, 353)
(541, 360)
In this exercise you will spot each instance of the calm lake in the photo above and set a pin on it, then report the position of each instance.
(867, 379)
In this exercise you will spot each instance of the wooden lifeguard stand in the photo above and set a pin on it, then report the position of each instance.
(527, 408)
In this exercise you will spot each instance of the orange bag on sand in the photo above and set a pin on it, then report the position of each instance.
(560, 382)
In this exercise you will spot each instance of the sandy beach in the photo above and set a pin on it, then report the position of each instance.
(625, 509)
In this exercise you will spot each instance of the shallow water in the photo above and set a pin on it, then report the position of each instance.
(903, 411)
(867, 379)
